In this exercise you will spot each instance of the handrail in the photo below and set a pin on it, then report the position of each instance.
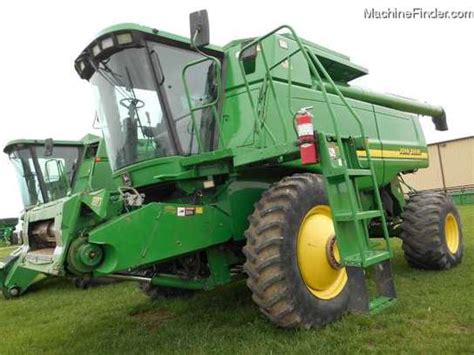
(211, 104)
(268, 70)
(314, 65)
(378, 200)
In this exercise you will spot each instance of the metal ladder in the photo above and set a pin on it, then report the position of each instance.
(342, 182)
(342, 172)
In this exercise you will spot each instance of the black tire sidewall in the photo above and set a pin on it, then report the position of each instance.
(424, 240)
(310, 307)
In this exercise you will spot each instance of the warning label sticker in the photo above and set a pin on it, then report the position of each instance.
(187, 211)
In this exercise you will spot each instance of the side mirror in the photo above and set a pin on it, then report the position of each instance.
(249, 59)
(48, 147)
(199, 25)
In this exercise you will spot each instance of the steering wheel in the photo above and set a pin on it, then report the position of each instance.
(130, 101)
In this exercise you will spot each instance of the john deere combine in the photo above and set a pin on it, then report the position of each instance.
(257, 159)
(51, 174)
(7, 231)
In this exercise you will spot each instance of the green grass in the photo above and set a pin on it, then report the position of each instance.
(434, 314)
(5, 250)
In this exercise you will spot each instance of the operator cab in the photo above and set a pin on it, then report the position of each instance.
(156, 93)
(49, 171)
(45, 170)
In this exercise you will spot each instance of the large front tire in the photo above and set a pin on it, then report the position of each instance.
(432, 232)
(292, 259)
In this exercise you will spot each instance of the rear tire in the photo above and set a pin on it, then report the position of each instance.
(276, 270)
(432, 232)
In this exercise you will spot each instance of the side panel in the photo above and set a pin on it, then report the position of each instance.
(302, 97)
(238, 123)
(403, 143)
(157, 232)
(396, 140)
(240, 197)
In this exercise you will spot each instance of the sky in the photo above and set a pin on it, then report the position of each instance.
(41, 95)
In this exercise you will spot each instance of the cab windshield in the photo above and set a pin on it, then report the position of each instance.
(143, 106)
(44, 175)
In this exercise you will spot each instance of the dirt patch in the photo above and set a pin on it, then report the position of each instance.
(461, 329)
(153, 319)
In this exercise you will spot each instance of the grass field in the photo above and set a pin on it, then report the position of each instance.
(435, 314)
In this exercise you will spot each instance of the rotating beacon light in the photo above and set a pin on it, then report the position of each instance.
(306, 139)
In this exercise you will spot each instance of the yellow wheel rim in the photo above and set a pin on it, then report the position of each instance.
(321, 278)
(451, 233)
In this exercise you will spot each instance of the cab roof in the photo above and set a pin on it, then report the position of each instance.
(338, 65)
(153, 31)
(20, 143)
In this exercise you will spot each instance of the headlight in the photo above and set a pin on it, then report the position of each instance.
(96, 50)
(124, 38)
(107, 43)
(82, 66)
(103, 47)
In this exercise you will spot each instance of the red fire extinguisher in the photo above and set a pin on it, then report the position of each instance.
(306, 139)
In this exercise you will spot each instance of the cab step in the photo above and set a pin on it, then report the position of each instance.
(367, 258)
(380, 303)
(341, 169)
(360, 301)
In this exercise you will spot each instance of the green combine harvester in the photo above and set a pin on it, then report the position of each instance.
(7, 231)
(51, 174)
(257, 160)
